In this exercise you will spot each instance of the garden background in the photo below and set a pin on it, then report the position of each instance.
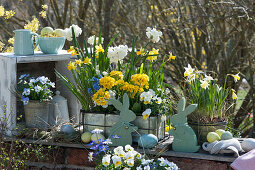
(217, 36)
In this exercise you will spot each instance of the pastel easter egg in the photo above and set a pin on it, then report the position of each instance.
(212, 136)
(68, 129)
(226, 135)
(97, 137)
(148, 141)
(46, 30)
(220, 132)
(86, 137)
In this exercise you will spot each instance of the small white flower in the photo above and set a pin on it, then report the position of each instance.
(107, 142)
(146, 113)
(106, 160)
(153, 34)
(105, 73)
(163, 118)
(163, 162)
(38, 89)
(158, 100)
(129, 155)
(91, 40)
(97, 131)
(116, 161)
(119, 151)
(31, 81)
(236, 77)
(130, 162)
(167, 91)
(147, 167)
(218, 88)
(129, 148)
(126, 168)
(139, 168)
(146, 162)
(90, 156)
(43, 79)
(52, 84)
(208, 78)
(26, 92)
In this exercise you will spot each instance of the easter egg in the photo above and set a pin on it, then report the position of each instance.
(220, 131)
(59, 32)
(68, 129)
(86, 137)
(212, 136)
(226, 135)
(46, 30)
(96, 136)
(148, 141)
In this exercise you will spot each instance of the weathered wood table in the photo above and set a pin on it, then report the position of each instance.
(8, 81)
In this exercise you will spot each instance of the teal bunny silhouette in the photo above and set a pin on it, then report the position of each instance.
(185, 139)
(123, 127)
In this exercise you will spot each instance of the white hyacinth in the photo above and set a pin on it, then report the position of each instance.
(68, 32)
(153, 34)
(91, 40)
(117, 53)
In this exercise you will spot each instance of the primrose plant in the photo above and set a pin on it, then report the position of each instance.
(35, 88)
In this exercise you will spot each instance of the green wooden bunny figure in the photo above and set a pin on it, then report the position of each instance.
(185, 139)
(123, 128)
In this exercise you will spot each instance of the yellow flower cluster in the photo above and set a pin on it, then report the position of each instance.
(11, 40)
(9, 14)
(107, 82)
(132, 89)
(116, 74)
(2, 12)
(142, 80)
(101, 96)
(1, 45)
(33, 25)
(43, 14)
(155, 53)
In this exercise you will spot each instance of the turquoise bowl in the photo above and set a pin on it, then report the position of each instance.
(51, 45)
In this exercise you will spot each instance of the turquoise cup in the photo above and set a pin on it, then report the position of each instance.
(51, 45)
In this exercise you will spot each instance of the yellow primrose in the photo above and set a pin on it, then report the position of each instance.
(171, 56)
(78, 62)
(107, 82)
(71, 66)
(87, 60)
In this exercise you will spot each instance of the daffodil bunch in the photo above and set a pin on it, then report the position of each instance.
(212, 99)
(125, 158)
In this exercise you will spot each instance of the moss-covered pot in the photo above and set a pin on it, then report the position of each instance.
(202, 129)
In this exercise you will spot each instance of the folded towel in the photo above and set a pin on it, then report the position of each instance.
(245, 162)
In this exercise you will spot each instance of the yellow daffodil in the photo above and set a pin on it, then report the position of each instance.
(99, 48)
(154, 53)
(171, 56)
(71, 66)
(141, 52)
(78, 62)
(168, 128)
(72, 51)
(87, 60)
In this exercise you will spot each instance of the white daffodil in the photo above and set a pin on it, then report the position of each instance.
(91, 40)
(204, 84)
(153, 34)
(90, 157)
(236, 77)
(106, 160)
(208, 78)
(234, 96)
(188, 70)
(146, 113)
(117, 53)
(116, 161)
(129, 148)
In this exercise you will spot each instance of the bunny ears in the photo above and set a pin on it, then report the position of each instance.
(118, 105)
(185, 111)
